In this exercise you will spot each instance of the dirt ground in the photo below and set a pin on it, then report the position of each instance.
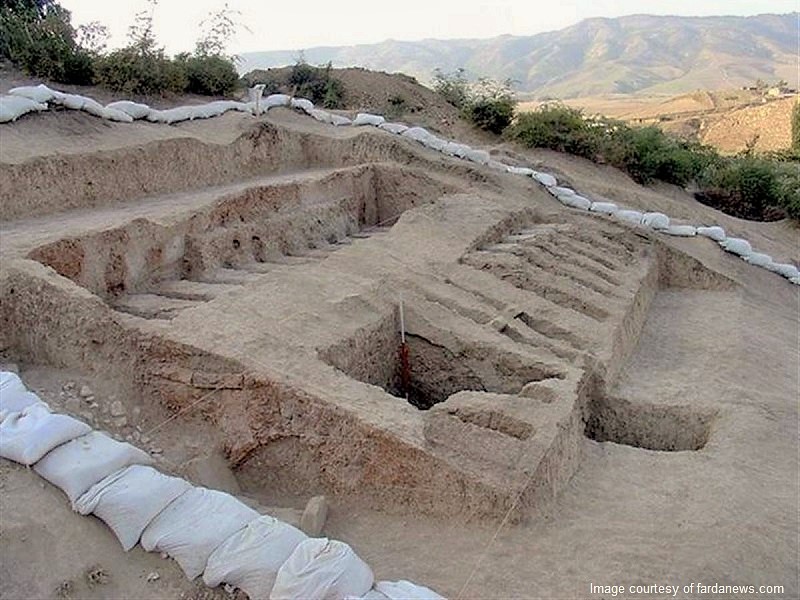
(678, 324)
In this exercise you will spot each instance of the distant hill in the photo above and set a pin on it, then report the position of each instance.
(638, 53)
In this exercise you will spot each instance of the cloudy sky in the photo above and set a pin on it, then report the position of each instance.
(297, 24)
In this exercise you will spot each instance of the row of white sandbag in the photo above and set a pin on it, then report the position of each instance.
(21, 100)
(206, 531)
(661, 223)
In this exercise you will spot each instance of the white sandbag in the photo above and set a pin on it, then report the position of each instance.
(340, 121)
(129, 499)
(795, 280)
(715, 233)
(73, 101)
(193, 525)
(133, 109)
(112, 114)
(758, 259)
(274, 100)
(631, 216)
(405, 590)
(497, 166)
(521, 171)
(14, 400)
(38, 93)
(575, 201)
(250, 558)
(302, 104)
(78, 465)
(451, 148)
(737, 246)
(561, 191)
(324, 570)
(545, 179)
(322, 116)
(606, 208)
(655, 220)
(787, 270)
(10, 382)
(13, 107)
(396, 128)
(28, 435)
(93, 107)
(177, 114)
(681, 230)
(373, 594)
(418, 134)
(435, 143)
(478, 156)
(367, 119)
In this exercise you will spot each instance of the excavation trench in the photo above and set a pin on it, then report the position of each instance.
(430, 372)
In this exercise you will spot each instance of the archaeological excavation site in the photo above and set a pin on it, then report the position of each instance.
(498, 394)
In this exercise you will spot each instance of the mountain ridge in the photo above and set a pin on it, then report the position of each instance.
(600, 55)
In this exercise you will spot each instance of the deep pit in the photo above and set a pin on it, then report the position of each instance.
(431, 372)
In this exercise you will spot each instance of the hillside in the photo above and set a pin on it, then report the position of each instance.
(638, 53)
(729, 120)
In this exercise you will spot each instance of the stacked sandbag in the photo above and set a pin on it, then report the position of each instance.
(38, 93)
(545, 179)
(302, 104)
(521, 171)
(714, 233)
(395, 128)
(275, 100)
(784, 269)
(26, 436)
(134, 110)
(322, 569)
(456, 149)
(250, 559)
(681, 230)
(605, 208)
(405, 590)
(655, 220)
(368, 119)
(76, 466)
(129, 499)
(340, 121)
(194, 525)
(418, 134)
(13, 107)
(758, 259)
(737, 246)
(480, 157)
(14, 396)
(630, 216)
(435, 143)
(322, 116)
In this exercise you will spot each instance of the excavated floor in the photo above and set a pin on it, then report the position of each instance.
(273, 306)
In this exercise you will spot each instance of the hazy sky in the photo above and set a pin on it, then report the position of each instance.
(296, 24)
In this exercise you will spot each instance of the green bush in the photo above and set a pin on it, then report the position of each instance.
(451, 86)
(209, 75)
(131, 71)
(316, 84)
(559, 128)
(38, 37)
(748, 186)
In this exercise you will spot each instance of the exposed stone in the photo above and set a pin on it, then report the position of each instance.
(314, 516)
(117, 409)
(213, 471)
(86, 391)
